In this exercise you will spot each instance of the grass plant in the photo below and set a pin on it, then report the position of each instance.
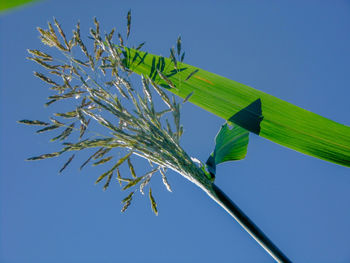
(101, 85)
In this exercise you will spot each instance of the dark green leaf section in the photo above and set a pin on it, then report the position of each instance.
(230, 145)
(281, 122)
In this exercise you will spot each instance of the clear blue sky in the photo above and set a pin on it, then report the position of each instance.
(298, 51)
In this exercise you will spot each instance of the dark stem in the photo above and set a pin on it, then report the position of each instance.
(249, 226)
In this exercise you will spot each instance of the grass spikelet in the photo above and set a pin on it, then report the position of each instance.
(46, 79)
(81, 117)
(145, 183)
(44, 64)
(102, 161)
(46, 37)
(172, 57)
(153, 202)
(60, 31)
(126, 206)
(67, 115)
(35, 122)
(56, 122)
(67, 163)
(44, 156)
(103, 176)
(121, 160)
(121, 41)
(188, 97)
(38, 53)
(119, 178)
(106, 185)
(128, 198)
(165, 180)
(48, 128)
(140, 45)
(97, 25)
(131, 168)
(178, 45)
(128, 26)
(98, 54)
(182, 57)
(64, 134)
(83, 129)
(92, 156)
(145, 88)
(191, 74)
(168, 81)
(161, 93)
(127, 201)
(133, 182)
(50, 102)
(101, 153)
(110, 35)
(120, 89)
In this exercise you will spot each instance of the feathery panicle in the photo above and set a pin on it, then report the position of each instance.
(126, 114)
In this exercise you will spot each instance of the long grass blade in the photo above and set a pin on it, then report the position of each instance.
(256, 111)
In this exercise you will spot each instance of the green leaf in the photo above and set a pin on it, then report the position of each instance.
(7, 4)
(231, 145)
(253, 110)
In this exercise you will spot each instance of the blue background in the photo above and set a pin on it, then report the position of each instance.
(298, 51)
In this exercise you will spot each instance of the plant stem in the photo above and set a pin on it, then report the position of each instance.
(225, 202)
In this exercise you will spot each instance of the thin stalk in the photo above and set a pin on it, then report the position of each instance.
(225, 202)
